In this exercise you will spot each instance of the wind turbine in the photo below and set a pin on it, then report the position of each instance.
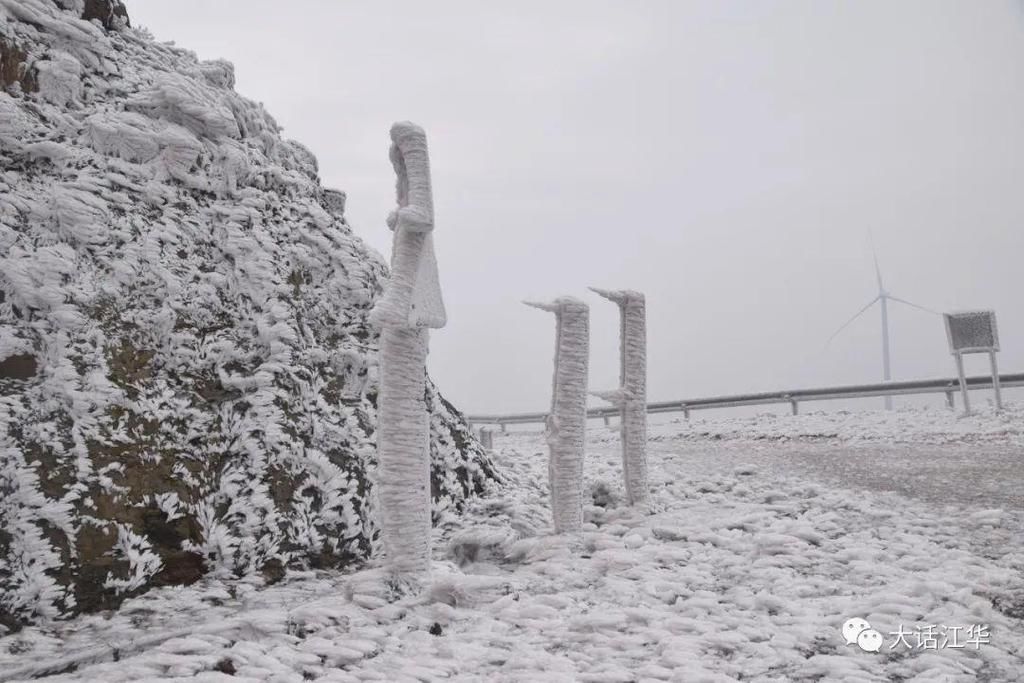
(882, 299)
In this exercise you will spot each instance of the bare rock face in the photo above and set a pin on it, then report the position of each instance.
(187, 378)
(14, 70)
(111, 13)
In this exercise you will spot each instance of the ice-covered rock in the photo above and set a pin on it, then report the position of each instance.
(187, 378)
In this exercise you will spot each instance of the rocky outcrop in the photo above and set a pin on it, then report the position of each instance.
(111, 13)
(14, 69)
(187, 378)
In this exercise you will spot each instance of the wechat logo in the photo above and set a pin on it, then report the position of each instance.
(859, 631)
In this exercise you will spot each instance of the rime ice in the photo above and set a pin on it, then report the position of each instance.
(411, 303)
(631, 397)
(566, 424)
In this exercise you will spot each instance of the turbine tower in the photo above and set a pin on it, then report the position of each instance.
(882, 299)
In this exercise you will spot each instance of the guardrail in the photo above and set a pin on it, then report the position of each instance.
(928, 386)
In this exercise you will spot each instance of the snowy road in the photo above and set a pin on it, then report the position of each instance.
(973, 475)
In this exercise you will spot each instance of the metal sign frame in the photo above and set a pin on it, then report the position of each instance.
(959, 350)
(951, 320)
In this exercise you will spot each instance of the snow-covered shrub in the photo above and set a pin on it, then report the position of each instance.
(188, 380)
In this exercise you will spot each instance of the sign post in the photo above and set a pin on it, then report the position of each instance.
(566, 424)
(409, 307)
(631, 396)
(973, 332)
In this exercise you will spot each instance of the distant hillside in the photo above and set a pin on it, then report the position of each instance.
(187, 380)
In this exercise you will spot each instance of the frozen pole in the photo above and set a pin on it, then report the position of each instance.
(566, 424)
(631, 397)
(411, 303)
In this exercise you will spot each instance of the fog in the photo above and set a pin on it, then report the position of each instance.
(727, 159)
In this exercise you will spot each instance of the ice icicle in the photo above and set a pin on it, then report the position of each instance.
(411, 303)
(566, 424)
(631, 397)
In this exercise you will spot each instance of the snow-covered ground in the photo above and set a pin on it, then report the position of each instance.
(755, 554)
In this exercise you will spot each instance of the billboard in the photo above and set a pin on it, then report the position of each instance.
(972, 331)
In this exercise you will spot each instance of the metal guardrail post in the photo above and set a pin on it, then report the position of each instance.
(963, 382)
(995, 380)
(792, 403)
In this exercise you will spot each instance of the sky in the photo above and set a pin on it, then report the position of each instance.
(729, 160)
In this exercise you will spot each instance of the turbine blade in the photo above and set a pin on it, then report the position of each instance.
(909, 303)
(847, 323)
(874, 254)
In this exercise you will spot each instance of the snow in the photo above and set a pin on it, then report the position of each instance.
(738, 572)
(60, 79)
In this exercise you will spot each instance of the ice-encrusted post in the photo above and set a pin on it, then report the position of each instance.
(411, 303)
(566, 424)
(631, 396)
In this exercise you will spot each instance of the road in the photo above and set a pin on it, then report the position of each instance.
(980, 476)
(969, 475)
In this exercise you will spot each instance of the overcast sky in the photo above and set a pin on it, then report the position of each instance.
(727, 159)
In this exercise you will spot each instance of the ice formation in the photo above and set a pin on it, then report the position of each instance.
(631, 396)
(188, 380)
(411, 304)
(412, 297)
(566, 424)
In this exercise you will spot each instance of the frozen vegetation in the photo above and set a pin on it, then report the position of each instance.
(742, 572)
(188, 379)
